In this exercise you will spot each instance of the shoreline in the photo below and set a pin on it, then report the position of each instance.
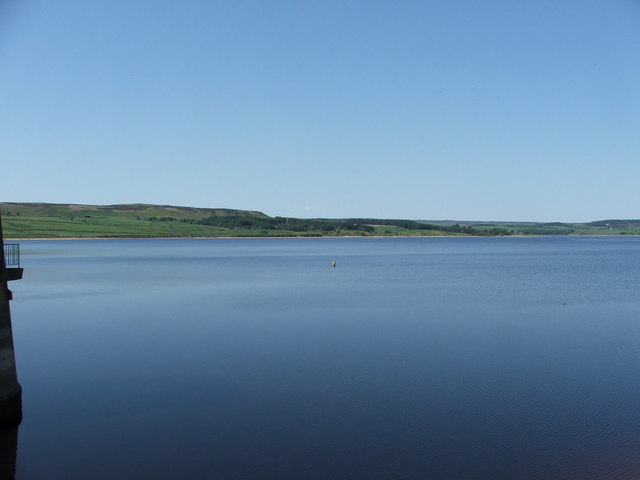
(306, 238)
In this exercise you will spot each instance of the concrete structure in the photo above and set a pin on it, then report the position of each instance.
(10, 390)
(8, 452)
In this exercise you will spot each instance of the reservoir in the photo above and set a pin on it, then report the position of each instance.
(412, 358)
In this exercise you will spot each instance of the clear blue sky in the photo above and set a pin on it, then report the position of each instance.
(456, 109)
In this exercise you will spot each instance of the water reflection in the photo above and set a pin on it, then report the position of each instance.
(8, 452)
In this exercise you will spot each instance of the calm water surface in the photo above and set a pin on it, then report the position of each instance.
(415, 358)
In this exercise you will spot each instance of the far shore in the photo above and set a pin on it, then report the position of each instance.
(306, 238)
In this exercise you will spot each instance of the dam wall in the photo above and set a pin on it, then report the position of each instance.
(10, 390)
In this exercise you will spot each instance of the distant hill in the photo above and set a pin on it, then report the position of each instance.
(616, 223)
(49, 220)
(131, 209)
(54, 220)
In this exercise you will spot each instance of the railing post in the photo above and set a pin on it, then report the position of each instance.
(2, 262)
(11, 255)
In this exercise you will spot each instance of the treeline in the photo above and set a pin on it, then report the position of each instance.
(414, 225)
(547, 231)
(361, 226)
(284, 223)
(160, 219)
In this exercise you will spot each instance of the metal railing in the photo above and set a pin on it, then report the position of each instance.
(12, 255)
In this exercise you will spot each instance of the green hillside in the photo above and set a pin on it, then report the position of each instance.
(47, 220)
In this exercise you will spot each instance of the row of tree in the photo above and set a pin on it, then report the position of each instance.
(415, 225)
(161, 219)
(360, 226)
(284, 223)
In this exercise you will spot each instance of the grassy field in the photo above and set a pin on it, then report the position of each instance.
(43, 220)
(112, 226)
(83, 221)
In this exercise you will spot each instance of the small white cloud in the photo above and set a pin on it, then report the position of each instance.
(307, 207)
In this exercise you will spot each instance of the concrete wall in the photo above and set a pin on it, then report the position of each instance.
(8, 453)
(10, 391)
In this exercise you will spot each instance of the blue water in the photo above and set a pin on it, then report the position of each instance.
(414, 358)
